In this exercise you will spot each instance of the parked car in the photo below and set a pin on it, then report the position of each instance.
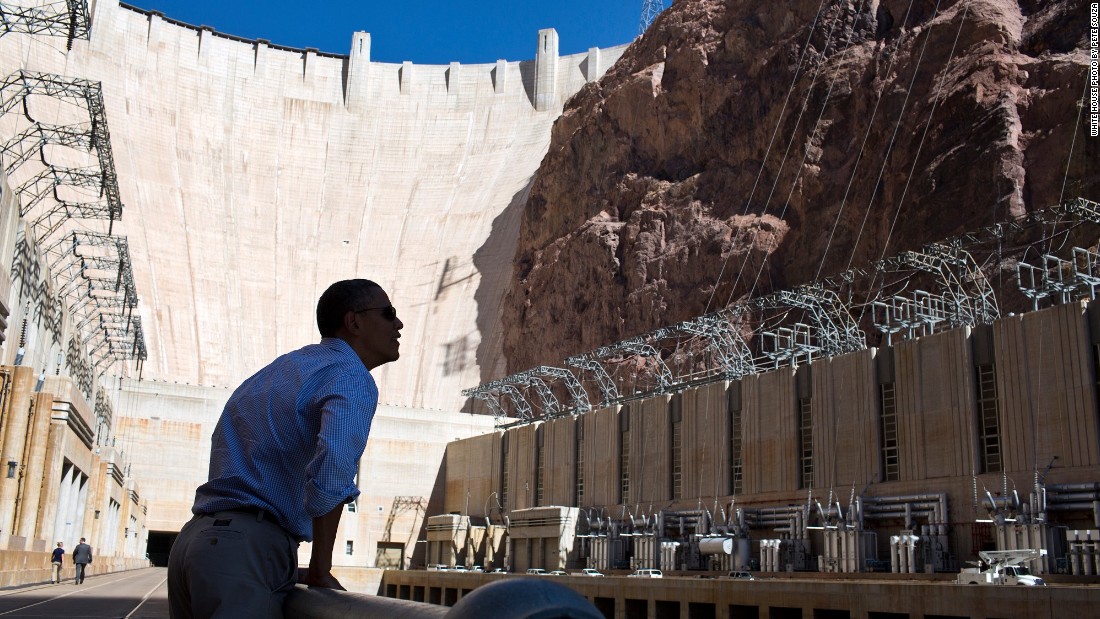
(535, 571)
(589, 572)
(558, 573)
(741, 576)
(646, 573)
(460, 568)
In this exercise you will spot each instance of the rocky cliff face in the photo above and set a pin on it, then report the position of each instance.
(741, 147)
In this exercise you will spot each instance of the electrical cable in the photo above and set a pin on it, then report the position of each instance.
(810, 140)
(1073, 141)
(771, 142)
(783, 161)
(863, 145)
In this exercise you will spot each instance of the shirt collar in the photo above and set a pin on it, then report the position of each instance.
(338, 345)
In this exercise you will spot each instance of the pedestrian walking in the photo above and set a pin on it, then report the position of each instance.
(82, 556)
(55, 561)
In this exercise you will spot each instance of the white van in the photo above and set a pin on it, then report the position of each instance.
(646, 573)
(535, 571)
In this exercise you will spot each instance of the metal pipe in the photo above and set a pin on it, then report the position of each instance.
(904, 498)
(1073, 496)
(898, 514)
(1085, 487)
(1062, 507)
(933, 507)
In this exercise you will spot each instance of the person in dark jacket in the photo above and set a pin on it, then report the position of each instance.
(82, 556)
(55, 561)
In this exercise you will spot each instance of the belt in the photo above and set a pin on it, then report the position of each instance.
(260, 513)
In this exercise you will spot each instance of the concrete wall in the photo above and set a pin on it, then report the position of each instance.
(602, 442)
(846, 427)
(472, 469)
(936, 405)
(25, 567)
(1047, 388)
(768, 413)
(56, 485)
(400, 475)
(559, 450)
(706, 452)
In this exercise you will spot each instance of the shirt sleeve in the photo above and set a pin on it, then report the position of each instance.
(347, 407)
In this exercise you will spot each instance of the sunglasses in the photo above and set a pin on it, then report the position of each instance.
(388, 312)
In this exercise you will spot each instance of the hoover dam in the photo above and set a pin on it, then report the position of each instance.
(174, 199)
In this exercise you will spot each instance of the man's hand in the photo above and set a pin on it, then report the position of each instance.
(319, 573)
(325, 579)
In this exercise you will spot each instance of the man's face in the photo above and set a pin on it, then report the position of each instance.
(376, 336)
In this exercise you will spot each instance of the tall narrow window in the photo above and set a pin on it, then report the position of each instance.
(736, 469)
(540, 469)
(891, 468)
(624, 468)
(806, 442)
(677, 441)
(504, 471)
(989, 424)
(578, 472)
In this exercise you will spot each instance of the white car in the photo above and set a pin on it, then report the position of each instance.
(741, 576)
(646, 573)
(558, 573)
(589, 572)
(535, 571)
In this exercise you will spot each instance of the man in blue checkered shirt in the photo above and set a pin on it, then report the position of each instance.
(283, 462)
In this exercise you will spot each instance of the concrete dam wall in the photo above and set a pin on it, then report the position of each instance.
(254, 175)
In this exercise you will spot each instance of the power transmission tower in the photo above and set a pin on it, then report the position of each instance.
(650, 10)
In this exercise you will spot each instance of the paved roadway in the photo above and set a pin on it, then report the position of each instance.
(138, 594)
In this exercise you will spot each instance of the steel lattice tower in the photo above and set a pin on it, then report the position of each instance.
(650, 10)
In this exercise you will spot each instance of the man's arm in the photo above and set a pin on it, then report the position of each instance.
(320, 562)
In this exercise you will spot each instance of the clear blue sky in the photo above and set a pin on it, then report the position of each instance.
(423, 31)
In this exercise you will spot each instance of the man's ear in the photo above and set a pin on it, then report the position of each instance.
(351, 322)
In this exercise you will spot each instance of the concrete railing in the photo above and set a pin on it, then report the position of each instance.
(514, 598)
(306, 603)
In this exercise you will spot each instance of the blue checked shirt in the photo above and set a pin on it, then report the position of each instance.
(290, 437)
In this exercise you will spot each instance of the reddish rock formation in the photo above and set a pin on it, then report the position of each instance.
(740, 147)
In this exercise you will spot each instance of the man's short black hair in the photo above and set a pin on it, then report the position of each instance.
(340, 298)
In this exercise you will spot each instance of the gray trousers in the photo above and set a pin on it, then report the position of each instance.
(231, 565)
